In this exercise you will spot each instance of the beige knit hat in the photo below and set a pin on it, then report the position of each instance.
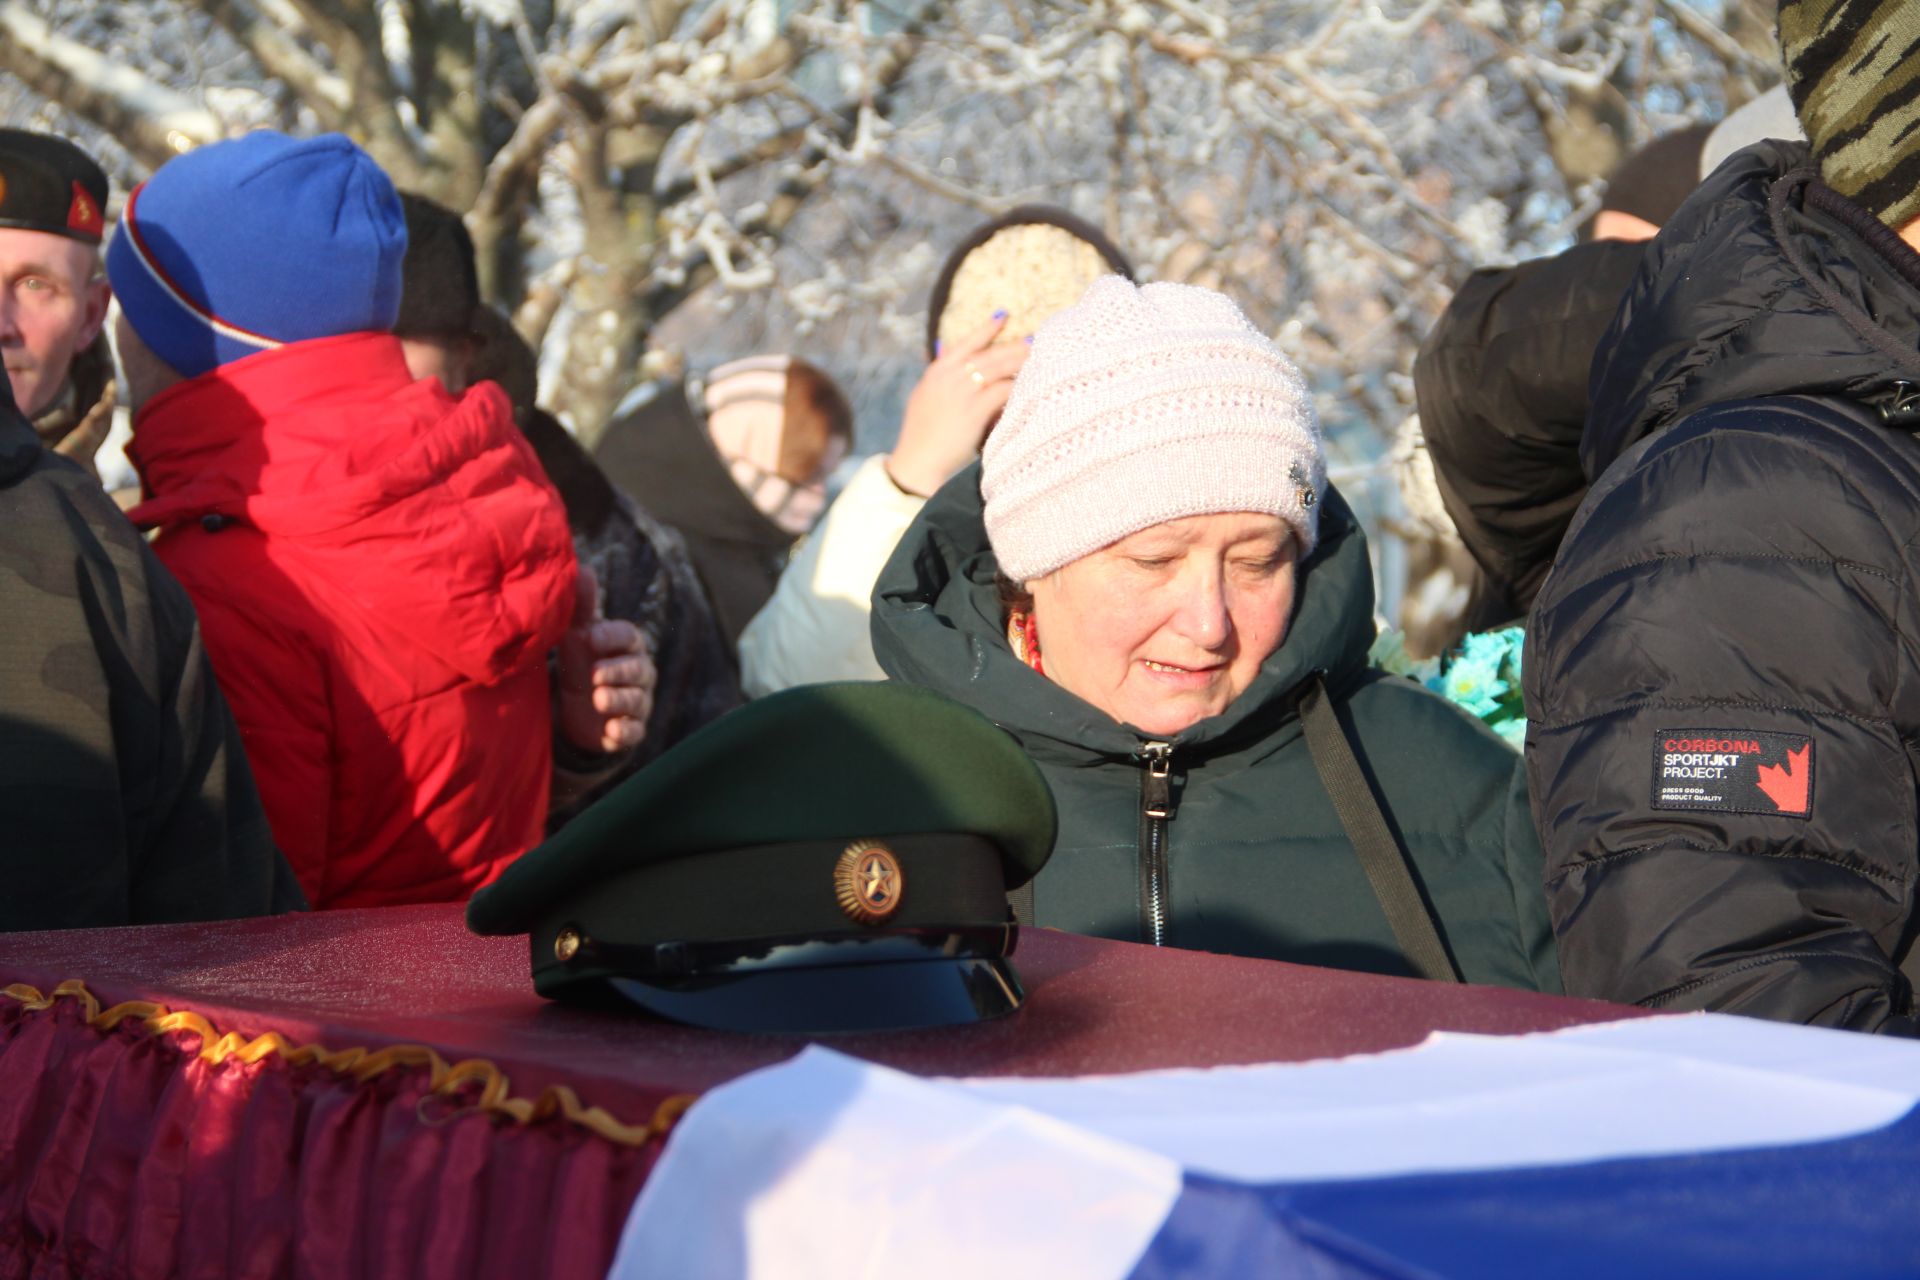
(1030, 262)
(1144, 405)
(1030, 271)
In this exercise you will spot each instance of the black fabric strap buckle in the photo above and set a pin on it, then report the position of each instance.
(1902, 410)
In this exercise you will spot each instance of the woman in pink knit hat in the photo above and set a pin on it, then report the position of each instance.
(1149, 583)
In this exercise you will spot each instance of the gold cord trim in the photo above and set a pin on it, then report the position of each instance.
(362, 1065)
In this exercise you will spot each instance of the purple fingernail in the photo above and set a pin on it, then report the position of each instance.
(1000, 314)
(1028, 339)
(937, 344)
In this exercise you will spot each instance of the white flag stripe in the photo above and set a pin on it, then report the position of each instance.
(1814, 1052)
(1642, 1087)
(828, 1166)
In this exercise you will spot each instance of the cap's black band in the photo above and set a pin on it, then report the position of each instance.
(949, 880)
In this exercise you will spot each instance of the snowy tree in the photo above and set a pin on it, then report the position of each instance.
(712, 177)
(535, 119)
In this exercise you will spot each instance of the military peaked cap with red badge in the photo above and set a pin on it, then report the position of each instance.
(48, 184)
(832, 858)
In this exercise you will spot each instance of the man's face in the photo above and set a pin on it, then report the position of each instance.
(51, 307)
(449, 359)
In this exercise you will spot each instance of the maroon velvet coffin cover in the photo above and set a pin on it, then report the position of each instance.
(128, 1150)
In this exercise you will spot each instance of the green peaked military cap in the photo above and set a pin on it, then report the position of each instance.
(832, 857)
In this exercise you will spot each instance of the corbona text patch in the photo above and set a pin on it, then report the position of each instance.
(1733, 771)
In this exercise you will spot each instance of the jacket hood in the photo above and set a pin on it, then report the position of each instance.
(1765, 283)
(937, 623)
(429, 512)
(661, 454)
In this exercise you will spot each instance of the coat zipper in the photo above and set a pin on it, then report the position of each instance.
(1156, 806)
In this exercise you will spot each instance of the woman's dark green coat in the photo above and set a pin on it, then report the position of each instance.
(1258, 863)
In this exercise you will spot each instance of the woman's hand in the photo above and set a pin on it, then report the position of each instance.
(953, 406)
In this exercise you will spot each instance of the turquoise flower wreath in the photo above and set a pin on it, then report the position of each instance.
(1482, 676)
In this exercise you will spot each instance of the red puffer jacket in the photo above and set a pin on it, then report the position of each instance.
(380, 571)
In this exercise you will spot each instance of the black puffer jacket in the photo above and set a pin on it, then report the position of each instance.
(1723, 671)
(1501, 383)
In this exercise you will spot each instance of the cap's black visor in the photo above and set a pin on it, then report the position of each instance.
(837, 998)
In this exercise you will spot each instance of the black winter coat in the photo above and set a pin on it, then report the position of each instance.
(125, 796)
(646, 577)
(1501, 383)
(1723, 671)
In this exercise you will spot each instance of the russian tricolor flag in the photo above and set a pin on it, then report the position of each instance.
(1695, 1145)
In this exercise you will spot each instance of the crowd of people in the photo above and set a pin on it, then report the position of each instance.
(376, 623)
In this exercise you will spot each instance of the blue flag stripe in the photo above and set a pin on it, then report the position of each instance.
(1847, 1207)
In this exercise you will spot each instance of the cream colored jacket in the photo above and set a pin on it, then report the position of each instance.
(814, 628)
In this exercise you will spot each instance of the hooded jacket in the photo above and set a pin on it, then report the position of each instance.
(380, 572)
(1501, 383)
(814, 627)
(124, 791)
(1721, 672)
(1258, 863)
(661, 454)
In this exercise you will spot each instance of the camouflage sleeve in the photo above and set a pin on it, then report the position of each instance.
(126, 795)
(209, 852)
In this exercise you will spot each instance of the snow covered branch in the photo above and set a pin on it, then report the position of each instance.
(149, 119)
(726, 174)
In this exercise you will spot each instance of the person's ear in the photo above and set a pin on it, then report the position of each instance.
(98, 296)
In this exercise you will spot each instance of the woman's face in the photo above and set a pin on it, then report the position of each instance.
(1169, 625)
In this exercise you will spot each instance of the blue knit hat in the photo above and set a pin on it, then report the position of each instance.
(239, 247)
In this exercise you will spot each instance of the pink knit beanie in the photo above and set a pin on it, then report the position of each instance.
(1143, 405)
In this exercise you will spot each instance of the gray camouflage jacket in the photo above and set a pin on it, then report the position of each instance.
(125, 795)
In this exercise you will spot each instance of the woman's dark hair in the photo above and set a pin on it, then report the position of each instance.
(1014, 596)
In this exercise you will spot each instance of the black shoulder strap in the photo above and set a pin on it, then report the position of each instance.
(1380, 854)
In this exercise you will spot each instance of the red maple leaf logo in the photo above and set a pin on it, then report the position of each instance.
(1786, 785)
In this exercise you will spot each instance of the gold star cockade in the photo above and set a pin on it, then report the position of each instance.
(868, 882)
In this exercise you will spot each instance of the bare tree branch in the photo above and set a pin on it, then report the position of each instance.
(447, 98)
(809, 173)
(778, 146)
(1696, 25)
(350, 29)
(148, 119)
(283, 58)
